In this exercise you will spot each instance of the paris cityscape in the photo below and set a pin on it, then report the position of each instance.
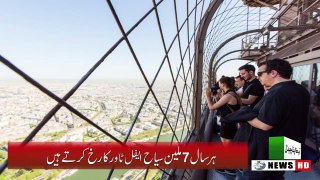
(111, 104)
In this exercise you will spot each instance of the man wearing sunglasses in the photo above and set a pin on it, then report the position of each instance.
(282, 112)
(252, 90)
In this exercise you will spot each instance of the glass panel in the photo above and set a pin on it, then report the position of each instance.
(301, 75)
(316, 69)
(314, 113)
(315, 95)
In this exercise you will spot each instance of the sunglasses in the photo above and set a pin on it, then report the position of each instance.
(261, 72)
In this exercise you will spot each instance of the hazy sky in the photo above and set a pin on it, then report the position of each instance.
(64, 39)
(60, 39)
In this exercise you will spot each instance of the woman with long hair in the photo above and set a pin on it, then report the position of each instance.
(225, 104)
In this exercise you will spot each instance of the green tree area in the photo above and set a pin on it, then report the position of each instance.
(115, 122)
(90, 135)
(157, 176)
(148, 134)
(56, 135)
(154, 174)
(53, 135)
(31, 125)
(24, 174)
(96, 115)
(98, 111)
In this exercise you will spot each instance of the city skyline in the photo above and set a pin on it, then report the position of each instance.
(112, 106)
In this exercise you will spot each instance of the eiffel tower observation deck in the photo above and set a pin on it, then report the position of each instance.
(136, 71)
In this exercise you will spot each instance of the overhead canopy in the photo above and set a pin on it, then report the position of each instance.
(260, 3)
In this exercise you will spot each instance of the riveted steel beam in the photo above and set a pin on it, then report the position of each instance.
(212, 75)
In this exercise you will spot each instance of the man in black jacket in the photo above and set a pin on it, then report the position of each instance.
(282, 112)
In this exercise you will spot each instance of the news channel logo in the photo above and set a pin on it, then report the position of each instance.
(284, 155)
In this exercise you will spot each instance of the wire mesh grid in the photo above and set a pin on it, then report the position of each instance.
(178, 57)
(231, 18)
(176, 37)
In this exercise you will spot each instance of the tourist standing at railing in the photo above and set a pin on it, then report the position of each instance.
(282, 112)
(252, 90)
(239, 82)
(226, 103)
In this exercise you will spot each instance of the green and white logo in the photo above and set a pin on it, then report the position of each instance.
(282, 148)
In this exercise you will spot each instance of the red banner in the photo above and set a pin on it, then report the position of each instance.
(74, 155)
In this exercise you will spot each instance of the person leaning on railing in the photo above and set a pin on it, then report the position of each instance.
(226, 102)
